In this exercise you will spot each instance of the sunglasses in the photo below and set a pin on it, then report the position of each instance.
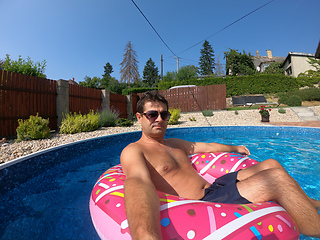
(153, 115)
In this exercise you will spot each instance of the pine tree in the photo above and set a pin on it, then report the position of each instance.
(150, 74)
(206, 61)
(108, 69)
(129, 71)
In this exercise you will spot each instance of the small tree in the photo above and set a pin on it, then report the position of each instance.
(23, 66)
(274, 68)
(91, 82)
(187, 72)
(129, 71)
(169, 76)
(115, 86)
(239, 63)
(150, 74)
(206, 61)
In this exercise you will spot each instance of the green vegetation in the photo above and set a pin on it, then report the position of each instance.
(192, 119)
(294, 98)
(33, 128)
(207, 113)
(76, 123)
(108, 118)
(294, 101)
(23, 66)
(274, 68)
(243, 85)
(128, 91)
(123, 122)
(175, 115)
(239, 63)
(282, 110)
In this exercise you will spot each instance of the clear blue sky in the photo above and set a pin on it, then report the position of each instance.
(78, 37)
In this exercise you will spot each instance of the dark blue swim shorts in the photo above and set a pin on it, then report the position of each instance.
(224, 190)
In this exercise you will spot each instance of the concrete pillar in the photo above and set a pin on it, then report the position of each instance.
(129, 107)
(105, 95)
(62, 99)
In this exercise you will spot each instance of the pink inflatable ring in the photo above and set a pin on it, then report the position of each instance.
(193, 219)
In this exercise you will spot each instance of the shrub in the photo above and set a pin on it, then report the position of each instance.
(192, 119)
(175, 115)
(294, 100)
(108, 117)
(311, 94)
(123, 122)
(282, 110)
(207, 113)
(283, 98)
(236, 112)
(33, 128)
(23, 66)
(76, 123)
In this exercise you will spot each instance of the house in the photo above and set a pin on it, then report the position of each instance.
(72, 82)
(262, 62)
(317, 54)
(296, 63)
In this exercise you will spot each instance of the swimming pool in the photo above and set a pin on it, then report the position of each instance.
(46, 196)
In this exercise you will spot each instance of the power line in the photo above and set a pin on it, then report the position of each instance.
(186, 59)
(153, 28)
(227, 26)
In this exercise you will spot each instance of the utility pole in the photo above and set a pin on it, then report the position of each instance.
(161, 67)
(177, 63)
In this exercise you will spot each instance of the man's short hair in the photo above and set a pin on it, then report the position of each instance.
(150, 96)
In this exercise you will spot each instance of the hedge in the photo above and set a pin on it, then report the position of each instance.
(128, 91)
(243, 85)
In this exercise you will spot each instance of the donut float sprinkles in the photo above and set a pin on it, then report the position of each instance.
(183, 218)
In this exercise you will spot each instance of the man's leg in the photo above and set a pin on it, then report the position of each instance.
(265, 165)
(275, 184)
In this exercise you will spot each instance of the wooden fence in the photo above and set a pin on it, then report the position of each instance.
(192, 99)
(83, 99)
(119, 103)
(22, 96)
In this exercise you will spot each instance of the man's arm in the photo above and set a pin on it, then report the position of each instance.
(198, 147)
(141, 199)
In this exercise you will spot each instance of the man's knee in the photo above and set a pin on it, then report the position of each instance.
(271, 163)
(278, 176)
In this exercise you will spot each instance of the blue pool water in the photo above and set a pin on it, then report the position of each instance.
(47, 195)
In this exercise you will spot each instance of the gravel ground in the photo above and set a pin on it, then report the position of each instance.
(11, 150)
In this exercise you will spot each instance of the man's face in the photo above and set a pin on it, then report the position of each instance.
(151, 124)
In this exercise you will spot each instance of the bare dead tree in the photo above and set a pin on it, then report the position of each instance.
(129, 71)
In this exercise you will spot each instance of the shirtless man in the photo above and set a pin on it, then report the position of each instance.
(156, 163)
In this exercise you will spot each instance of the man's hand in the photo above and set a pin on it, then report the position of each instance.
(243, 150)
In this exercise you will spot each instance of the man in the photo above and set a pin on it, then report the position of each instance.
(156, 163)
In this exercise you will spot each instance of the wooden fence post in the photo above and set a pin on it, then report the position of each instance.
(62, 99)
(105, 95)
(129, 107)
